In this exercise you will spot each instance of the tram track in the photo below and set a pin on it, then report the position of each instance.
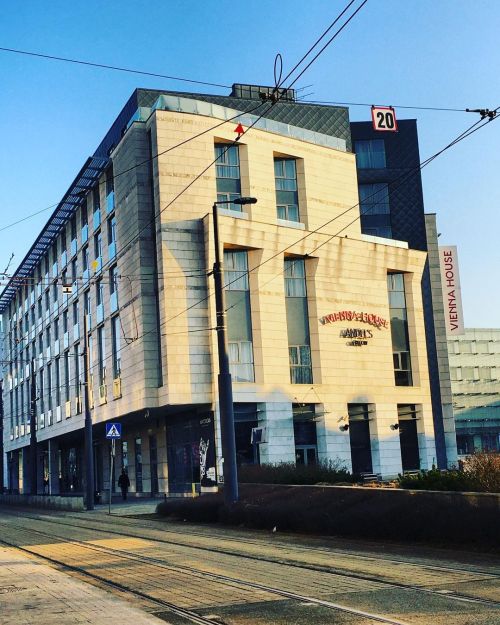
(186, 613)
(329, 552)
(453, 596)
(159, 563)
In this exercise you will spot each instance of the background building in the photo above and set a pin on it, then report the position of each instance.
(391, 205)
(475, 375)
(325, 323)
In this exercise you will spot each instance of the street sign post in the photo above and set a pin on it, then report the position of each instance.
(113, 431)
(384, 119)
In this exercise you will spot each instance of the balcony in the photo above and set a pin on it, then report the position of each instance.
(96, 218)
(85, 233)
(112, 250)
(110, 202)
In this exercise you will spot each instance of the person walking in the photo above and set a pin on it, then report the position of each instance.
(124, 483)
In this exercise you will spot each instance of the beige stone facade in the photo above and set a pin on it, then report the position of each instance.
(168, 348)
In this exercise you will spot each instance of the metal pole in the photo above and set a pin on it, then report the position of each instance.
(111, 466)
(33, 467)
(2, 476)
(224, 380)
(89, 452)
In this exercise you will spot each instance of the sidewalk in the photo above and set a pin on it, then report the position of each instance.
(129, 507)
(32, 593)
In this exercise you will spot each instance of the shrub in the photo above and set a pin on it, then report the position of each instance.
(480, 472)
(484, 469)
(437, 480)
(325, 472)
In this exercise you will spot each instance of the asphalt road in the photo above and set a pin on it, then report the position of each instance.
(185, 573)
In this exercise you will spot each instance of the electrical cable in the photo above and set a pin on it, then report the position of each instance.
(148, 160)
(113, 67)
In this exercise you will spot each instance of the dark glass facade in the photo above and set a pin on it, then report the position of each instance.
(404, 222)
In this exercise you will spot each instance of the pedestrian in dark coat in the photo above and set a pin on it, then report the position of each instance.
(124, 483)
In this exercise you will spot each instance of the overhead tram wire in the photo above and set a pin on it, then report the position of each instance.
(402, 178)
(115, 68)
(398, 106)
(144, 162)
(156, 330)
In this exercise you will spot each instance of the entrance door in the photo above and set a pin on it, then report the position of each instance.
(361, 451)
(408, 440)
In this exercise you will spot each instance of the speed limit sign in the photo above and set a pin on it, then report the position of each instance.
(384, 118)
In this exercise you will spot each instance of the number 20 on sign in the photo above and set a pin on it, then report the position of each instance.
(384, 119)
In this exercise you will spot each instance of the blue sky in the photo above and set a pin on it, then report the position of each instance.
(441, 53)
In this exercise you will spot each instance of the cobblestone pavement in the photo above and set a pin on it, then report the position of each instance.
(237, 577)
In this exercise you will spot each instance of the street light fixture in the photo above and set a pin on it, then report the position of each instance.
(224, 380)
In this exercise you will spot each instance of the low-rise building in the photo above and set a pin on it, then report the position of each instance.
(475, 374)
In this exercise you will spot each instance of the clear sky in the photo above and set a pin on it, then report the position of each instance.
(441, 53)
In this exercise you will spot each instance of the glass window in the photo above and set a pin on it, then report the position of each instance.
(285, 176)
(66, 377)
(96, 197)
(374, 199)
(370, 154)
(112, 230)
(236, 270)
(399, 329)
(241, 360)
(300, 364)
(228, 161)
(115, 346)
(285, 173)
(295, 278)
(101, 354)
(138, 465)
(227, 173)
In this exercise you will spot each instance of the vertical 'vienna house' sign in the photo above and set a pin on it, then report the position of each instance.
(452, 295)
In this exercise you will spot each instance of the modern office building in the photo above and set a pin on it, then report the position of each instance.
(326, 327)
(391, 205)
(475, 375)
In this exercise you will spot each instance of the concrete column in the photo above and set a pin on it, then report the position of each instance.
(426, 439)
(386, 448)
(334, 444)
(277, 417)
(450, 435)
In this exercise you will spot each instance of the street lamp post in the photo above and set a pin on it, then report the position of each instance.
(224, 379)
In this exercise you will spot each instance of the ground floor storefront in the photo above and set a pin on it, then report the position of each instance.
(178, 451)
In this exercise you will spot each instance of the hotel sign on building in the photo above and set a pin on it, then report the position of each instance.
(452, 295)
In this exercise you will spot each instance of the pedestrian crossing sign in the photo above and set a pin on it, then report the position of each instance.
(113, 430)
